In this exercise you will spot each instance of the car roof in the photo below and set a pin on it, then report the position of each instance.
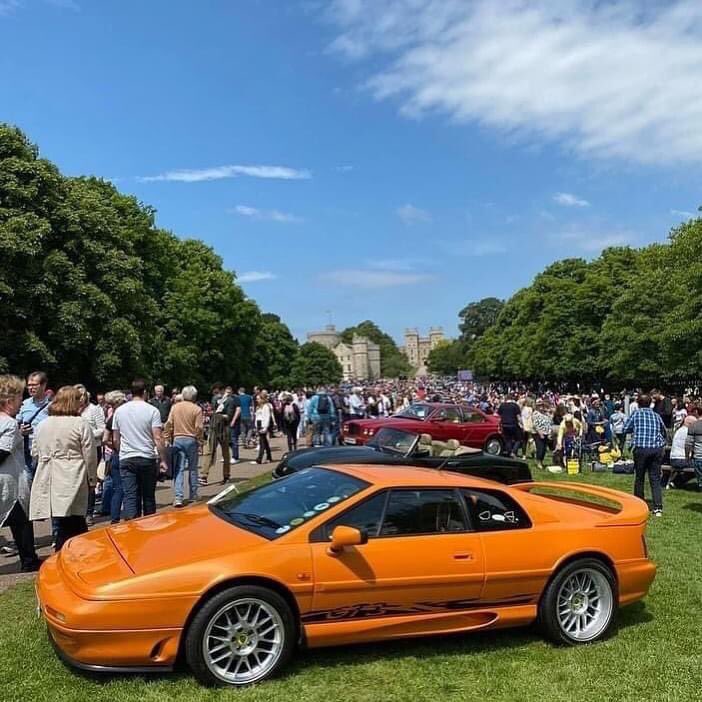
(383, 475)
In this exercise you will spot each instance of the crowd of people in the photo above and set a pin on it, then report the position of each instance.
(64, 454)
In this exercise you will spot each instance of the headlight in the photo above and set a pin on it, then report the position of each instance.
(371, 432)
(345, 428)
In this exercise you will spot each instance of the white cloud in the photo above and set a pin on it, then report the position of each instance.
(358, 278)
(595, 240)
(220, 172)
(255, 276)
(683, 213)
(570, 200)
(606, 79)
(271, 215)
(410, 214)
(393, 264)
(344, 169)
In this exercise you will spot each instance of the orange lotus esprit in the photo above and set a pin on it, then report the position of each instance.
(348, 554)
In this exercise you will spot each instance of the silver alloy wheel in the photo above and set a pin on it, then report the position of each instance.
(585, 603)
(493, 447)
(243, 641)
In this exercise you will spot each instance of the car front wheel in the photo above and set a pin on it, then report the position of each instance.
(240, 636)
(493, 446)
(580, 603)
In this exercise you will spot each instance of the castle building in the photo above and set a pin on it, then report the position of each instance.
(417, 347)
(360, 360)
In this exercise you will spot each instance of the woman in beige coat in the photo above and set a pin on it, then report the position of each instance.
(66, 467)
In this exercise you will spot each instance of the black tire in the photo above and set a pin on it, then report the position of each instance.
(194, 646)
(548, 618)
(491, 440)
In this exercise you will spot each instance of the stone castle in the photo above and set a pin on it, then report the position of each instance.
(417, 347)
(360, 360)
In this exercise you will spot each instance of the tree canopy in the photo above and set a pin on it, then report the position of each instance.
(92, 291)
(315, 365)
(393, 362)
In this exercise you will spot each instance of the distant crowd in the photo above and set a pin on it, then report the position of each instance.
(64, 452)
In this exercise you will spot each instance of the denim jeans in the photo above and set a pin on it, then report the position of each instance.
(698, 471)
(185, 459)
(139, 477)
(234, 443)
(322, 433)
(112, 493)
(246, 429)
(648, 460)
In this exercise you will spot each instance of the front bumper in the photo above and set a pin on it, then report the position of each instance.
(104, 635)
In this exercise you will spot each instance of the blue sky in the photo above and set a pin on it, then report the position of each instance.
(391, 160)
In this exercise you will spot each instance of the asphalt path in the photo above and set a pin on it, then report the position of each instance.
(241, 473)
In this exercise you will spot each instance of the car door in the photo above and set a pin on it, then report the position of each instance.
(421, 557)
(446, 423)
(516, 563)
(474, 428)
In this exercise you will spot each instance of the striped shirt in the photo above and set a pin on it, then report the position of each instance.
(648, 428)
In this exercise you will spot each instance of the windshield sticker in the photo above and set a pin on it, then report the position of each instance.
(498, 517)
(220, 495)
(321, 507)
(334, 499)
(296, 522)
(282, 530)
(484, 516)
(309, 514)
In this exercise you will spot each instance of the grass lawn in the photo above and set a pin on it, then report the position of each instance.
(655, 655)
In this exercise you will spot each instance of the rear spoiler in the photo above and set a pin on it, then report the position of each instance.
(621, 508)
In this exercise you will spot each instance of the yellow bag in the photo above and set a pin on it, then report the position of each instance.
(573, 466)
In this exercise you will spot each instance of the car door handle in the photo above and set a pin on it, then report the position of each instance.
(463, 556)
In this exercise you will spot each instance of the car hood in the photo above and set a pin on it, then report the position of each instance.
(175, 538)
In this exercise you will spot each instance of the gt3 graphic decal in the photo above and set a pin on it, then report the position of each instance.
(370, 610)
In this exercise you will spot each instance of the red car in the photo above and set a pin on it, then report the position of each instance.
(441, 420)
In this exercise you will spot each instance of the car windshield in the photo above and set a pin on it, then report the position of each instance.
(276, 508)
(415, 411)
(394, 441)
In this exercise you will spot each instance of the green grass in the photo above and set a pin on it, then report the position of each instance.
(655, 655)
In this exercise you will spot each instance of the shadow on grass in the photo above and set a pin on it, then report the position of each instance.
(694, 507)
(424, 648)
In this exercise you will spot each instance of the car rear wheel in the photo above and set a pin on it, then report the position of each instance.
(240, 636)
(580, 603)
(493, 446)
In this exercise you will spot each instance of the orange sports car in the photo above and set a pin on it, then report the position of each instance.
(338, 555)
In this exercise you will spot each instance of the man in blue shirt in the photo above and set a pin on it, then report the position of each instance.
(34, 410)
(648, 442)
(322, 413)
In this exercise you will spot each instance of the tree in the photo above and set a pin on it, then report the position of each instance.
(275, 353)
(448, 357)
(315, 365)
(92, 291)
(477, 317)
(393, 362)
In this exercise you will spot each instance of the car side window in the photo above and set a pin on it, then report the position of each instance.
(411, 512)
(493, 510)
(366, 515)
(472, 417)
(449, 414)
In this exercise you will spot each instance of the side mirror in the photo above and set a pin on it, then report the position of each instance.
(344, 536)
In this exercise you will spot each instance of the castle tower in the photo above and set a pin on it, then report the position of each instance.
(436, 335)
(328, 337)
(412, 346)
(360, 357)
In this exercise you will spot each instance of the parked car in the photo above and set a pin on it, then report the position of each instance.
(443, 421)
(342, 555)
(393, 446)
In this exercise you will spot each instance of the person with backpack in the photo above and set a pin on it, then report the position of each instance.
(322, 413)
(290, 421)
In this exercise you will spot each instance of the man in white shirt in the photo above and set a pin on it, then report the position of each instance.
(356, 404)
(137, 438)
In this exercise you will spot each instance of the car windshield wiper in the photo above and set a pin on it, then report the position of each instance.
(256, 519)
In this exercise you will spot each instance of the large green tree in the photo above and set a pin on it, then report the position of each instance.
(315, 365)
(275, 353)
(477, 317)
(448, 357)
(393, 362)
(92, 291)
